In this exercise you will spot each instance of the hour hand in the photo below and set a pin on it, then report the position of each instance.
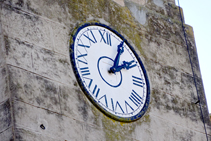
(120, 50)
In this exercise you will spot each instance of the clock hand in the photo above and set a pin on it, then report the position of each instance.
(120, 50)
(125, 65)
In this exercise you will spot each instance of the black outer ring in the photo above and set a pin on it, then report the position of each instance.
(72, 59)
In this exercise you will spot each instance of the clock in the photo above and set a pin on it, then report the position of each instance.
(110, 72)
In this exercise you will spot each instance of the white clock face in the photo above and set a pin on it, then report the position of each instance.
(110, 73)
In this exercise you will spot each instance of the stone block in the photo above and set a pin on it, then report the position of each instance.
(5, 117)
(76, 105)
(166, 53)
(72, 129)
(180, 133)
(52, 65)
(174, 96)
(19, 53)
(176, 110)
(173, 82)
(165, 130)
(53, 125)
(152, 128)
(115, 130)
(172, 11)
(73, 103)
(39, 60)
(60, 38)
(54, 10)
(32, 118)
(33, 89)
(27, 27)
(162, 28)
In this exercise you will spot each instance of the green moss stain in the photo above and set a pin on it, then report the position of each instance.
(119, 18)
(189, 31)
(63, 61)
(82, 9)
(122, 21)
(115, 130)
(146, 118)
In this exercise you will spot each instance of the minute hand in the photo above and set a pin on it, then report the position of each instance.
(120, 50)
(125, 65)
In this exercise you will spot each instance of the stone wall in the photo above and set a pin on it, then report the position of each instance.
(40, 98)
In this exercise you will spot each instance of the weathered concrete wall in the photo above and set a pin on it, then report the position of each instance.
(38, 86)
(5, 103)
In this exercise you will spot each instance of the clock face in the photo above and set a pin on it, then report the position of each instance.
(109, 72)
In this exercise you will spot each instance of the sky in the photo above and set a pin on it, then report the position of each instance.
(198, 15)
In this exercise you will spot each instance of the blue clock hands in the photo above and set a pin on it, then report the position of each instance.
(126, 65)
(120, 50)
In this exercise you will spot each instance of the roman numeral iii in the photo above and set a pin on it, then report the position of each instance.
(85, 71)
(137, 81)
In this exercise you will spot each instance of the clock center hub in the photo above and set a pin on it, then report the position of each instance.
(104, 64)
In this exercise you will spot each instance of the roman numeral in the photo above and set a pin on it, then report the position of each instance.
(112, 103)
(118, 107)
(93, 40)
(79, 57)
(85, 46)
(106, 39)
(137, 81)
(128, 105)
(96, 91)
(90, 81)
(82, 55)
(135, 98)
(81, 44)
(105, 99)
(85, 71)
